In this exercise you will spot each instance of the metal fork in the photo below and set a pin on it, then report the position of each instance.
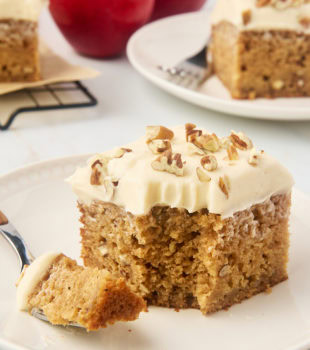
(17, 242)
(190, 73)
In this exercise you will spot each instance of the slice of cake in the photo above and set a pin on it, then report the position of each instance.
(187, 218)
(261, 48)
(19, 53)
(67, 292)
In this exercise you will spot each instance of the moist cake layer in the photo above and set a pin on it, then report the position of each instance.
(177, 259)
(260, 64)
(19, 56)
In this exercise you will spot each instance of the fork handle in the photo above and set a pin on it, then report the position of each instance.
(17, 242)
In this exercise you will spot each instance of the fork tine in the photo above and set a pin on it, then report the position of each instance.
(185, 74)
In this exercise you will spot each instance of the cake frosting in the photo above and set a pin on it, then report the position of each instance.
(139, 186)
(262, 18)
(31, 276)
(21, 9)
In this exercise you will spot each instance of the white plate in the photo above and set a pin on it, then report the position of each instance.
(168, 41)
(43, 208)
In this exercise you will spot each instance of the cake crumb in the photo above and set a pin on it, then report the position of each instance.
(268, 290)
(246, 16)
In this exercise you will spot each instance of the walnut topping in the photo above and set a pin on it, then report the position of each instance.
(232, 153)
(224, 185)
(240, 141)
(121, 151)
(281, 4)
(208, 142)
(253, 158)
(99, 176)
(159, 146)
(202, 175)
(191, 133)
(305, 22)
(209, 163)
(96, 174)
(158, 133)
(169, 162)
(188, 128)
(261, 3)
(246, 16)
(194, 150)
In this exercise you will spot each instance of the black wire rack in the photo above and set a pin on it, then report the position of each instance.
(54, 90)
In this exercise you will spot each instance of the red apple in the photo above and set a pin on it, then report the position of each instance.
(164, 8)
(100, 28)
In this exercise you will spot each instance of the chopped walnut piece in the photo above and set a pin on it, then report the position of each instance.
(96, 173)
(305, 22)
(253, 158)
(159, 146)
(209, 162)
(192, 136)
(158, 133)
(169, 162)
(121, 151)
(189, 127)
(202, 175)
(246, 16)
(208, 142)
(232, 153)
(261, 3)
(224, 185)
(281, 4)
(99, 173)
(98, 177)
(191, 133)
(194, 150)
(240, 141)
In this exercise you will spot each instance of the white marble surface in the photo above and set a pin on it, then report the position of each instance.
(127, 103)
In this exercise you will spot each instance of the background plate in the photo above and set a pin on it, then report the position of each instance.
(170, 40)
(43, 208)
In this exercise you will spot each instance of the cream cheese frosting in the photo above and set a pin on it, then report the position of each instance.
(21, 9)
(140, 187)
(262, 18)
(31, 276)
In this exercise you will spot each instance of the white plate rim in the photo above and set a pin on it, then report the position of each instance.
(214, 103)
